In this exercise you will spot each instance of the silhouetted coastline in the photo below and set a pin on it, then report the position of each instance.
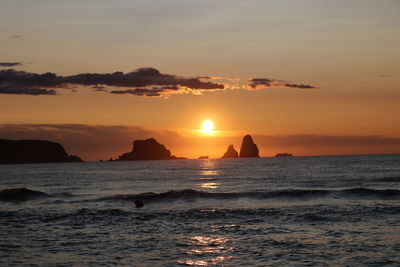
(33, 151)
(43, 151)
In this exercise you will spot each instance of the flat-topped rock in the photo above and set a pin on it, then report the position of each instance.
(148, 149)
(283, 155)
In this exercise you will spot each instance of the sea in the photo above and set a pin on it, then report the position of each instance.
(283, 211)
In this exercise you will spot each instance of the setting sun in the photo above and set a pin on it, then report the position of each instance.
(207, 127)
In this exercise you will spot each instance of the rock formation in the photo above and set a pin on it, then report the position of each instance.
(283, 155)
(230, 153)
(33, 151)
(248, 148)
(148, 149)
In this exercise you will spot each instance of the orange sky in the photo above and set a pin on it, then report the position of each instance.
(349, 53)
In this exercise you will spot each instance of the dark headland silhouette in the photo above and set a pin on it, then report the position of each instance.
(33, 151)
(230, 153)
(248, 149)
(148, 149)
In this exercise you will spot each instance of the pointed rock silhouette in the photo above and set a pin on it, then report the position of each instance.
(230, 153)
(249, 149)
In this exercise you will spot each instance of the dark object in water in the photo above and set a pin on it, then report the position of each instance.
(203, 157)
(283, 155)
(20, 194)
(138, 203)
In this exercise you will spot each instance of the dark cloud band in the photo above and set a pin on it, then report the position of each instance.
(10, 64)
(147, 82)
(157, 82)
(263, 83)
(22, 90)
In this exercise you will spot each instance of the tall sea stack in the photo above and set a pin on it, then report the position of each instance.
(248, 149)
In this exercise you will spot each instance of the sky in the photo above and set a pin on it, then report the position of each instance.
(308, 77)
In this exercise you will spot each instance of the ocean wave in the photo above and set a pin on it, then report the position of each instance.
(21, 194)
(190, 195)
(87, 215)
(112, 216)
(25, 194)
(367, 192)
(388, 179)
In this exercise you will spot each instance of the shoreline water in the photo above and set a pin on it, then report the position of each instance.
(335, 210)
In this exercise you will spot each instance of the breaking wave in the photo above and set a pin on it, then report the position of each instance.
(24, 194)
(20, 194)
(190, 194)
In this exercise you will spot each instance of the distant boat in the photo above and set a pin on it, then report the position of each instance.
(283, 155)
(203, 157)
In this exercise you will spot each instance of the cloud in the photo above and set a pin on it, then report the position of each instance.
(299, 86)
(264, 83)
(22, 90)
(139, 78)
(147, 82)
(99, 88)
(140, 92)
(16, 36)
(22, 78)
(10, 64)
(153, 82)
(154, 91)
(256, 82)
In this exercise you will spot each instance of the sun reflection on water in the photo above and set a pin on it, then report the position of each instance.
(213, 261)
(208, 172)
(205, 245)
(208, 164)
(210, 185)
(206, 250)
